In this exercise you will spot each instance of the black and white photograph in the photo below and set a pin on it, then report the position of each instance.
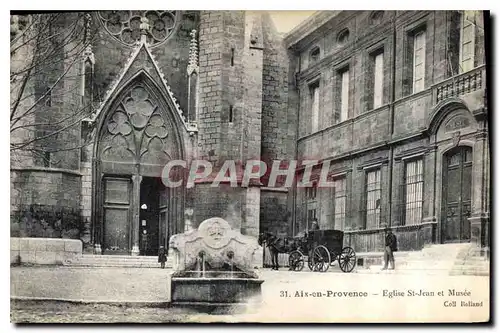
(250, 166)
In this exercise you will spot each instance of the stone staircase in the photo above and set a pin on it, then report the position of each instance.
(471, 261)
(91, 260)
(438, 259)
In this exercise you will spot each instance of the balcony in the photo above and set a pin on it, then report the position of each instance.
(460, 84)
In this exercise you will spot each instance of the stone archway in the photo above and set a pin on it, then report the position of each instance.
(136, 137)
(459, 153)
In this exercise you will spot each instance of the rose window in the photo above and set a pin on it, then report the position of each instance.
(125, 25)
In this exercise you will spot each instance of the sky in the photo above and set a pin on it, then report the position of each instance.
(287, 20)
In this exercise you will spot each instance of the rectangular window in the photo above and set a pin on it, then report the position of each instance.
(311, 204)
(453, 54)
(311, 192)
(46, 159)
(230, 113)
(311, 216)
(378, 79)
(418, 61)
(467, 41)
(339, 204)
(373, 198)
(314, 107)
(413, 192)
(344, 95)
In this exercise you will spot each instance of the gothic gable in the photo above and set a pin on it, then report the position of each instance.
(142, 62)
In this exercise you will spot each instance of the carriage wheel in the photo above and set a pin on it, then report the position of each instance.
(347, 259)
(296, 261)
(321, 259)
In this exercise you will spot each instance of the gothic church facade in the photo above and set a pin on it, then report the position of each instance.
(160, 86)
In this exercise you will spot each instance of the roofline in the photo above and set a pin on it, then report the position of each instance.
(309, 25)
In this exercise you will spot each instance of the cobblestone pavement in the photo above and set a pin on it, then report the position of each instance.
(62, 312)
(287, 297)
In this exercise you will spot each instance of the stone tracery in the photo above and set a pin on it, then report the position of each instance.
(125, 25)
(136, 131)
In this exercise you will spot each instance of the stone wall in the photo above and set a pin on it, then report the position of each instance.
(275, 215)
(49, 187)
(275, 123)
(233, 84)
(222, 201)
(20, 130)
(86, 201)
(210, 84)
(43, 251)
(45, 203)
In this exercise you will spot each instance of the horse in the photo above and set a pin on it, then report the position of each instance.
(278, 245)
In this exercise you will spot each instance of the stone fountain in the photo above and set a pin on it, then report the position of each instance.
(215, 265)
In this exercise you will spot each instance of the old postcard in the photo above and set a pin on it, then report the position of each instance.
(249, 166)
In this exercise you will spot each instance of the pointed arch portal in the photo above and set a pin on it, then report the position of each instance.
(136, 137)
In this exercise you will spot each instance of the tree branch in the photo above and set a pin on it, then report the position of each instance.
(46, 92)
(19, 95)
(18, 146)
(82, 110)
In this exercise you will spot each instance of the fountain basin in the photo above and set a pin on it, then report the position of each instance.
(215, 266)
(214, 288)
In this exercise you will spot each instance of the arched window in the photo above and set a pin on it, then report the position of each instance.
(88, 80)
(376, 17)
(314, 55)
(343, 36)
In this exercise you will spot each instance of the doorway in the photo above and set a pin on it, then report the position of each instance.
(152, 216)
(117, 212)
(457, 195)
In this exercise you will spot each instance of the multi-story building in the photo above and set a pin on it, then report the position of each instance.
(395, 101)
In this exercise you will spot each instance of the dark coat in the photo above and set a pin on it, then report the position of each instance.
(391, 241)
(162, 255)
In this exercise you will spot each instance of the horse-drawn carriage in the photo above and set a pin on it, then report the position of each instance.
(323, 248)
(320, 248)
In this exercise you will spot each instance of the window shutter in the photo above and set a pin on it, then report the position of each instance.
(344, 107)
(467, 41)
(378, 88)
(340, 203)
(315, 108)
(419, 62)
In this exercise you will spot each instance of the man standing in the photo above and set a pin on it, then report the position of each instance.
(314, 225)
(391, 246)
(162, 256)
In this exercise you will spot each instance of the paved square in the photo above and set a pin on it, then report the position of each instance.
(287, 296)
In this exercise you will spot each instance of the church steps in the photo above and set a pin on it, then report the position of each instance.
(88, 260)
(439, 259)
